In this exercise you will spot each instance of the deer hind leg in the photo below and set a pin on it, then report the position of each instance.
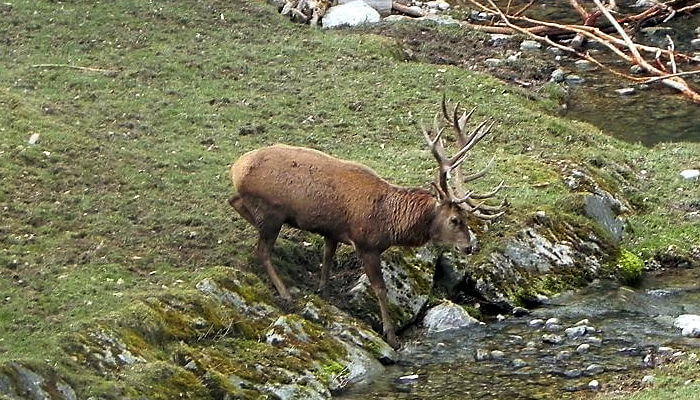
(268, 235)
(373, 268)
(329, 249)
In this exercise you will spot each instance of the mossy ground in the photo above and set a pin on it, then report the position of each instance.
(124, 195)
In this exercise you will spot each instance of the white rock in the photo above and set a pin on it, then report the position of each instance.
(408, 378)
(33, 138)
(583, 348)
(582, 322)
(493, 62)
(625, 91)
(497, 354)
(558, 75)
(648, 380)
(447, 316)
(695, 43)
(576, 331)
(498, 39)
(530, 45)
(350, 14)
(690, 173)
(665, 350)
(689, 325)
(536, 323)
(584, 65)
(594, 385)
(551, 321)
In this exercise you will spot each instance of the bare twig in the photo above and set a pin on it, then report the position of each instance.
(91, 69)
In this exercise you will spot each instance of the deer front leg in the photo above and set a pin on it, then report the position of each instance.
(373, 268)
(329, 249)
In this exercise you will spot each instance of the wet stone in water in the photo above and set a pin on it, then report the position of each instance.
(536, 323)
(552, 339)
(576, 331)
(594, 369)
(519, 363)
(583, 348)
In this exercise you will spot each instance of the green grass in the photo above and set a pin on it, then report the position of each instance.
(125, 192)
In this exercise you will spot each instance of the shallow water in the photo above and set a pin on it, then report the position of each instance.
(631, 324)
(652, 114)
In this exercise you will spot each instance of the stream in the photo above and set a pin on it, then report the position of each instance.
(629, 332)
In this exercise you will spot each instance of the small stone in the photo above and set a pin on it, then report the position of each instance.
(582, 322)
(552, 321)
(519, 363)
(583, 348)
(637, 69)
(575, 332)
(695, 43)
(536, 323)
(594, 340)
(555, 50)
(644, 4)
(552, 339)
(573, 373)
(493, 62)
(665, 350)
(553, 328)
(33, 138)
(482, 355)
(558, 75)
(649, 361)
(572, 79)
(497, 355)
(648, 380)
(191, 366)
(500, 317)
(594, 369)
(498, 39)
(625, 91)
(513, 57)
(690, 174)
(584, 65)
(563, 355)
(520, 311)
(528, 45)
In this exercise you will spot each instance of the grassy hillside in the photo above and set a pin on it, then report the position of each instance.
(124, 194)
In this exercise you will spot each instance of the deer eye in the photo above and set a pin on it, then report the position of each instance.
(454, 220)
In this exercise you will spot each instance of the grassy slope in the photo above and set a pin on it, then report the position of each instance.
(135, 181)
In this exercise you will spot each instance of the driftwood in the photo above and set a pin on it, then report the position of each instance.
(619, 41)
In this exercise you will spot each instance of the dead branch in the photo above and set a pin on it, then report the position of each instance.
(90, 69)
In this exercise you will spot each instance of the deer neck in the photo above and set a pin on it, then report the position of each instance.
(410, 216)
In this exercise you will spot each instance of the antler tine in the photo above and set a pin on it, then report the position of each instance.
(485, 207)
(464, 199)
(462, 153)
(485, 217)
(481, 173)
(489, 194)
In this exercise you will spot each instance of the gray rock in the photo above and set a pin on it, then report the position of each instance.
(529, 45)
(536, 323)
(20, 382)
(552, 338)
(497, 355)
(498, 39)
(551, 321)
(311, 312)
(563, 355)
(493, 62)
(573, 373)
(584, 65)
(605, 210)
(350, 14)
(448, 316)
(286, 328)
(553, 328)
(572, 79)
(360, 366)
(556, 51)
(482, 355)
(644, 4)
(594, 385)
(575, 332)
(690, 174)
(625, 91)
(558, 75)
(519, 363)
(583, 348)
(33, 138)
(594, 369)
(648, 380)
(689, 324)
(594, 340)
(584, 322)
(665, 350)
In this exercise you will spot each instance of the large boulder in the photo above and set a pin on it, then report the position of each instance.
(350, 14)
(448, 316)
(689, 325)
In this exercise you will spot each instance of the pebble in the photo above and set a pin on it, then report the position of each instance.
(482, 355)
(625, 91)
(519, 363)
(594, 340)
(555, 50)
(573, 373)
(594, 369)
(572, 79)
(552, 321)
(582, 322)
(553, 328)
(594, 385)
(695, 43)
(648, 380)
(520, 311)
(584, 65)
(558, 75)
(665, 350)
(408, 378)
(500, 317)
(552, 339)
(530, 45)
(563, 355)
(690, 173)
(649, 361)
(536, 323)
(497, 354)
(513, 57)
(33, 138)
(498, 39)
(583, 348)
(576, 331)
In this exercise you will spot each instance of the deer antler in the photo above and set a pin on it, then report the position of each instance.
(448, 164)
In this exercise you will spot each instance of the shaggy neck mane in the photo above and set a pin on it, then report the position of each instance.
(410, 213)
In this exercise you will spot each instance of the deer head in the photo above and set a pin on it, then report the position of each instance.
(459, 211)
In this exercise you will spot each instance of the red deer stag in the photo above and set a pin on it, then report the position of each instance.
(346, 202)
